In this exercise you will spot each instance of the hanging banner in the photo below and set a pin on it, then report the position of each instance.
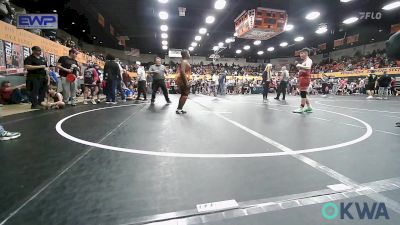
(100, 19)
(322, 46)
(395, 28)
(352, 39)
(338, 42)
(8, 54)
(112, 30)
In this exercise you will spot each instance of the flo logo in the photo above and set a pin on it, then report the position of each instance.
(370, 15)
(355, 210)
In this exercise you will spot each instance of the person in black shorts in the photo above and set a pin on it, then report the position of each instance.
(90, 79)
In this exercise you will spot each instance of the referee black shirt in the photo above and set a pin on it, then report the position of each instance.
(34, 61)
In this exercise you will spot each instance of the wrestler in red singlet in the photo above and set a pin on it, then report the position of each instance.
(304, 80)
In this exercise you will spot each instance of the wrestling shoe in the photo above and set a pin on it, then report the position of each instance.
(180, 111)
(299, 110)
(6, 135)
(308, 110)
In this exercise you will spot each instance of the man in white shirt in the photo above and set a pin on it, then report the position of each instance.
(283, 83)
(304, 80)
(141, 76)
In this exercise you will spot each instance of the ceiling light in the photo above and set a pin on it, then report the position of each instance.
(312, 15)
(194, 44)
(73, 23)
(289, 27)
(197, 38)
(220, 44)
(297, 39)
(260, 52)
(202, 30)
(164, 47)
(191, 48)
(345, 0)
(238, 51)
(321, 30)
(220, 4)
(163, 15)
(162, 1)
(271, 49)
(94, 37)
(164, 28)
(54, 11)
(229, 40)
(164, 35)
(210, 19)
(164, 42)
(100, 42)
(391, 6)
(235, 34)
(215, 48)
(246, 47)
(283, 44)
(350, 20)
(257, 42)
(83, 31)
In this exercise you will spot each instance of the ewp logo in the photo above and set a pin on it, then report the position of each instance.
(331, 211)
(37, 21)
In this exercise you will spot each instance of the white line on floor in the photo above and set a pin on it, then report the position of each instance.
(358, 109)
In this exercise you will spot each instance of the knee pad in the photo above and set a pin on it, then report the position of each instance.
(303, 94)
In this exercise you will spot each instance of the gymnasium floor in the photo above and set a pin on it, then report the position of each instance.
(143, 164)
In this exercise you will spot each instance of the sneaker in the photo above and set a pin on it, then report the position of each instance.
(379, 98)
(370, 97)
(169, 101)
(308, 110)
(108, 102)
(85, 102)
(180, 111)
(73, 103)
(276, 99)
(69, 103)
(299, 110)
(6, 135)
(113, 103)
(123, 100)
(93, 102)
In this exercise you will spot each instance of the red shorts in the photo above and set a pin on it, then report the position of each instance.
(304, 80)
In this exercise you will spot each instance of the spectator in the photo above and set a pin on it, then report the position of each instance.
(37, 78)
(90, 79)
(12, 95)
(6, 12)
(141, 74)
(158, 72)
(68, 66)
(384, 83)
(112, 75)
(7, 135)
(54, 100)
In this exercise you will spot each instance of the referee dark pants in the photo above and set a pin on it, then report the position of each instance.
(141, 89)
(282, 90)
(155, 86)
(37, 87)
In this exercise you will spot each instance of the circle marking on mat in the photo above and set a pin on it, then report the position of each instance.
(59, 129)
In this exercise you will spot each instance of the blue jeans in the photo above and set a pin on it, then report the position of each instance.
(111, 87)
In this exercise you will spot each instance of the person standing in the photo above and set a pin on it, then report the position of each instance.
(304, 80)
(371, 85)
(141, 75)
(68, 66)
(7, 135)
(112, 75)
(90, 78)
(158, 71)
(37, 78)
(324, 87)
(283, 84)
(182, 80)
(384, 83)
(222, 81)
(266, 77)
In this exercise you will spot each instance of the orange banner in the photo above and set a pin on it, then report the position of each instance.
(338, 42)
(352, 39)
(101, 20)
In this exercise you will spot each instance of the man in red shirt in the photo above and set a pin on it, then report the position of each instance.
(11, 95)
